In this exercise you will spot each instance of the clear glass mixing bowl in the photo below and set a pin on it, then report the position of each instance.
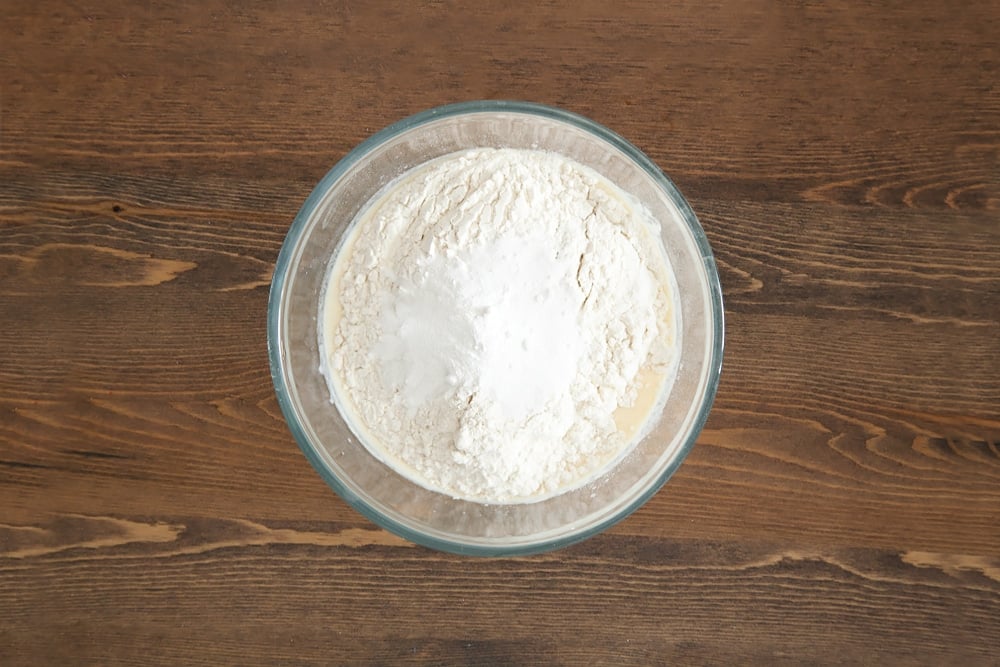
(375, 489)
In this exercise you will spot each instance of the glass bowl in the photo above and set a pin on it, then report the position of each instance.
(372, 487)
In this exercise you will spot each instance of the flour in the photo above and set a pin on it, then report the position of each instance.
(488, 316)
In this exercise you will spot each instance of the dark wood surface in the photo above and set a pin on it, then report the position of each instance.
(842, 505)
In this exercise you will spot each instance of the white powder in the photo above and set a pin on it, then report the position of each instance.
(487, 319)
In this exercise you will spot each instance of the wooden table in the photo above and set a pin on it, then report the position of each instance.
(842, 504)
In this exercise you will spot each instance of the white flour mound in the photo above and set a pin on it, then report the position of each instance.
(494, 308)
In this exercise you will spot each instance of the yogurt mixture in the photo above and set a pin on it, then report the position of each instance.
(500, 325)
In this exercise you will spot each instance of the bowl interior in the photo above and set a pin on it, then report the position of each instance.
(374, 488)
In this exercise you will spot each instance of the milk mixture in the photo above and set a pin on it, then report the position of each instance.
(500, 325)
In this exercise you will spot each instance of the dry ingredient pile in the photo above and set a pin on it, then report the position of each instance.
(491, 316)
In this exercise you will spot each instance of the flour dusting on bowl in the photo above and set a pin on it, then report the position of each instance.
(500, 325)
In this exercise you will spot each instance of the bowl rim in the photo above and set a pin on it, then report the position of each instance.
(275, 311)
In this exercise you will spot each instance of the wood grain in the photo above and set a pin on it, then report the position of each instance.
(842, 505)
